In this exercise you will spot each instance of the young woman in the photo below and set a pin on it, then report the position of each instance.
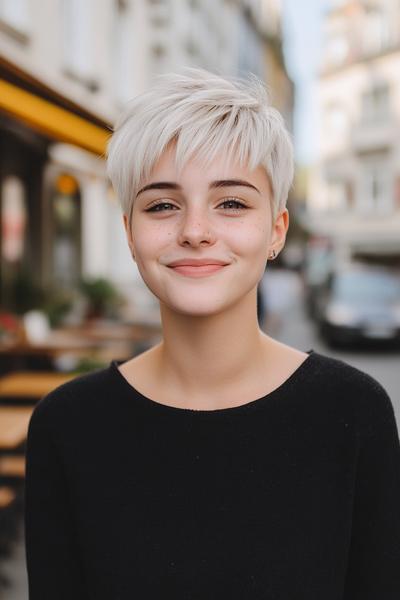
(220, 463)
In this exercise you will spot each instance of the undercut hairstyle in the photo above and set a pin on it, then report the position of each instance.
(206, 115)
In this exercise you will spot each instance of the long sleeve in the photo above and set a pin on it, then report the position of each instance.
(51, 554)
(374, 560)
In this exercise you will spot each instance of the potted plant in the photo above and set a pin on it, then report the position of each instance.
(103, 298)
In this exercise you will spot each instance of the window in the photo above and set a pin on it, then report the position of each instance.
(335, 119)
(13, 237)
(375, 103)
(77, 24)
(376, 31)
(337, 49)
(376, 192)
(15, 13)
(159, 14)
(13, 219)
(66, 232)
(122, 53)
(337, 196)
(158, 58)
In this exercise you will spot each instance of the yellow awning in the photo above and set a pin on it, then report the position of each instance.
(52, 120)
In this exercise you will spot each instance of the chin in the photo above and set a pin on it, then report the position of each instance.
(197, 310)
(195, 307)
(197, 304)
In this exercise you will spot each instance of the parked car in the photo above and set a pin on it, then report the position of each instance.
(360, 304)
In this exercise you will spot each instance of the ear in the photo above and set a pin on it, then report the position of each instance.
(279, 231)
(128, 232)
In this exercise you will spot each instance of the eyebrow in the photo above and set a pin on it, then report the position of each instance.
(168, 185)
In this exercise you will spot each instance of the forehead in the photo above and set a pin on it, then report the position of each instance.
(194, 170)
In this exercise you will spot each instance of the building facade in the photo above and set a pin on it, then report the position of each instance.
(354, 194)
(67, 67)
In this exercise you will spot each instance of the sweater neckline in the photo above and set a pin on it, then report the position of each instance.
(149, 403)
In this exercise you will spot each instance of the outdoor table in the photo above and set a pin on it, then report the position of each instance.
(7, 496)
(12, 466)
(53, 345)
(13, 425)
(31, 384)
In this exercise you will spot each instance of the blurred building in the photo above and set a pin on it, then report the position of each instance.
(66, 69)
(267, 21)
(354, 194)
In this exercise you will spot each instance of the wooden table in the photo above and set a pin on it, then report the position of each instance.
(12, 466)
(83, 339)
(7, 496)
(14, 423)
(53, 345)
(100, 340)
(31, 384)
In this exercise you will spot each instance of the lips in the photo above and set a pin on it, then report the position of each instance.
(197, 262)
(197, 270)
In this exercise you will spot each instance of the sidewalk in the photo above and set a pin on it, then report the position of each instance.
(14, 568)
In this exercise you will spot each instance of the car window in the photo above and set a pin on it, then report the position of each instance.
(366, 287)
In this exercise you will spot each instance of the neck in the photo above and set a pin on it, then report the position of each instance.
(213, 354)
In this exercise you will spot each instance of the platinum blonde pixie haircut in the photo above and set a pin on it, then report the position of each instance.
(205, 115)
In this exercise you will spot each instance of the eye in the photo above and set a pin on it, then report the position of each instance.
(160, 206)
(239, 205)
(155, 207)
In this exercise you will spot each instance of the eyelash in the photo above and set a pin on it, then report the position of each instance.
(151, 208)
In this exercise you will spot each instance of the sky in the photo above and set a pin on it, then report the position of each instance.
(302, 21)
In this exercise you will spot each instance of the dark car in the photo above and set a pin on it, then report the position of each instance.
(360, 305)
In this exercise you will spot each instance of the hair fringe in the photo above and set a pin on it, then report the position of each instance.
(205, 114)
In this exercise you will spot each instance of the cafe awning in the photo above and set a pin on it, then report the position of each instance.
(52, 120)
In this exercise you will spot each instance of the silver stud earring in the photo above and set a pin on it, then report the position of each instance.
(273, 254)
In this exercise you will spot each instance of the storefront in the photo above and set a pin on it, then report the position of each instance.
(41, 196)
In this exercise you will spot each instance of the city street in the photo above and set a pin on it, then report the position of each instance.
(291, 327)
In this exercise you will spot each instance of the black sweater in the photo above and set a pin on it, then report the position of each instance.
(293, 496)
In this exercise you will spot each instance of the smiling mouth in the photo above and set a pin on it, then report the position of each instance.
(198, 270)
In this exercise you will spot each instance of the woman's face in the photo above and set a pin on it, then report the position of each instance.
(221, 213)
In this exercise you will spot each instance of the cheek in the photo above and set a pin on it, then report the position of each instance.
(149, 241)
(249, 239)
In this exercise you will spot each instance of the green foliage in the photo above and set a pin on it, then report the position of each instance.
(103, 297)
(87, 364)
(57, 305)
(29, 295)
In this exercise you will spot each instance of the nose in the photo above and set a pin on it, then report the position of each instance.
(195, 227)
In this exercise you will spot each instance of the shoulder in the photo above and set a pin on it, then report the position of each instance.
(352, 386)
(72, 399)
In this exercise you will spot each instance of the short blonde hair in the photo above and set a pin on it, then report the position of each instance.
(205, 114)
